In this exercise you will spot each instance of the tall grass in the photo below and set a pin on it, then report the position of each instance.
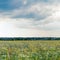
(29, 50)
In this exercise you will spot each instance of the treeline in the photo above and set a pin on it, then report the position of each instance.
(29, 38)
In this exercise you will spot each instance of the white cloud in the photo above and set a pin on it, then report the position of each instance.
(25, 2)
(48, 26)
(9, 28)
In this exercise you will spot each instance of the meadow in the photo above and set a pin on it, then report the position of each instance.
(30, 50)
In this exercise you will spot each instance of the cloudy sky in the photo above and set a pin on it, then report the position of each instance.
(29, 18)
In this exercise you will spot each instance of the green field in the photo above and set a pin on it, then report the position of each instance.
(30, 50)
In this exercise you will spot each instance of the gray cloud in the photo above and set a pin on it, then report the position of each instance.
(40, 12)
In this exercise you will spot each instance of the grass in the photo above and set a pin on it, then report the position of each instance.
(30, 50)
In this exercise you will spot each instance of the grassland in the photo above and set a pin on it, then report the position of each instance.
(30, 50)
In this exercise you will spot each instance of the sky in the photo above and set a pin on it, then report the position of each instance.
(29, 18)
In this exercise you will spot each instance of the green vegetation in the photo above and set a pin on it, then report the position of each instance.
(30, 50)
